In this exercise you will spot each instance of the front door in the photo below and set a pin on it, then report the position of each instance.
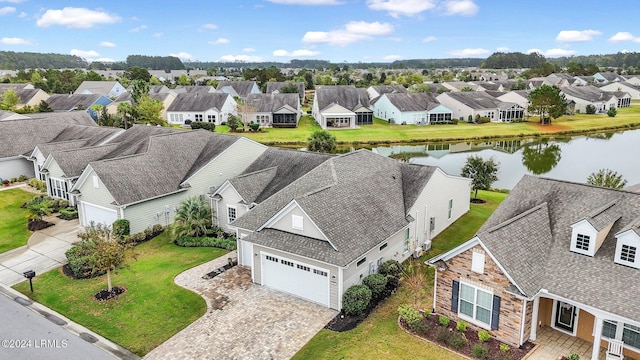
(565, 316)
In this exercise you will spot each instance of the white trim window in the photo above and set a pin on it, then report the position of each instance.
(406, 240)
(450, 209)
(583, 242)
(629, 334)
(58, 188)
(475, 304)
(232, 213)
(627, 251)
(297, 222)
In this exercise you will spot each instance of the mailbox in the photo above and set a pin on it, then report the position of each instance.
(29, 274)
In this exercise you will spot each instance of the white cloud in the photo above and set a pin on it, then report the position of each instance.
(552, 52)
(22, 14)
(306, 2)
(469, 52)
(295, 53)
(391, 57)
(13, 1)
(107, 44)
(219, 41)
(248, 50)
(429, 39)
(79, 18)
(103, 59)
(208, 27)
(624, 36)
(7, 10)
(502, 49)
(353, 31)
(576, 35)
(14, 41)
(624, 51)
(158, 34)
(534, 50)
(89, 55)
(138, 28)
(460, 7)
(241, 58)
(183, 55)
(397, 8)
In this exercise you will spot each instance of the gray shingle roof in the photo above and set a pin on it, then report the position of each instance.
(198, 101)
(413, 101)
(347, 96)
(272, 102)
(476, 99)
(74, 161)
(588, 93)
(533, 245)
(194, 89)
(66, 102)
(357, 200)
(389, 89)
(242, 88)
(277, 85)
(96, 87)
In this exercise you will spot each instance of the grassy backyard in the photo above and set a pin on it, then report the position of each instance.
(379, 336)
(381, 132)
(13, 227)
(152, 310)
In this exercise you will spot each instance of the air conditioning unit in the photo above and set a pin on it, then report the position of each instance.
(427, 245)
(417, 253)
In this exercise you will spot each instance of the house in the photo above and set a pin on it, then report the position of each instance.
(269, 173)
(201, 106)
(165, 97)
(341, 106)
(584, 96)
(460, 85)
(607, 77)
(77, 102)
(240, 89)
(147, 187)
(475, 104)
(27, 97)
(488, 86)
(275, 109)
(108, 89)
(553, 254)
(19, 137)
(633, 80)
(374, 91)
(625, 86)
(320, 235)
(411, 108)
(276, 87)
(520, 97)
(194, 89)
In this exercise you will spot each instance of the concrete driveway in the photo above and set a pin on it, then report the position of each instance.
(243, 320)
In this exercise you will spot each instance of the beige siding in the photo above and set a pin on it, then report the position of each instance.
(229, 197)
(99, 196)
(55, 170)
(149, 213)
(309, 229)
(333, 270)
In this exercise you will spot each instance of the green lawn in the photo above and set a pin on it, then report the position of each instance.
(13, 227)
(381, 132)
(152, 310)
(379, 336)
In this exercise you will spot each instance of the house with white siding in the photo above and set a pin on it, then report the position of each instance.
(201, 106)
(584, 96)
(274, 110)
(319, 235)
(241, 89)
(480, 104)
(341, 106)
(411, 108)
(374, 91)
(625, 86)
(109, 89)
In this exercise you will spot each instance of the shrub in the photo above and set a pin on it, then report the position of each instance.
(461, 326)
(590, 109)
(356, 299)
(203, 125)
(504, 347)
(442, 335)
(377, 283)
(444, 321)
(189, 241)
(573, 356)
(391, 268)
(5, 182)
(38, 185)
(146, 235)
(78, 257)
(480, 351)
(254, 126)
(412, 318)
(457, 340)
(612, 112)
(188, 122)
(22, 178)
(68, 213)
(121, 228)
(483, 335)
(470, 119)
(483, 120)
(14, 180)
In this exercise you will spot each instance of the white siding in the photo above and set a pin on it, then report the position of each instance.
(229, 197)
(14, 167)
(309, 229)
(100, 196)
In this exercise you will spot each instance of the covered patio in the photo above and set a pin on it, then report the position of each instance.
(553, 344)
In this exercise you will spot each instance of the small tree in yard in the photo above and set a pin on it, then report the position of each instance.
(590, 109)
(108, 253)
(192, 218)
(415, 277)
(356, 299)
(612, 112)
(482, 173)
(607, 178)
(322, 141)
(234, 122)
(548, 102)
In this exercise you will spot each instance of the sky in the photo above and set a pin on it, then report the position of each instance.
(334, 30)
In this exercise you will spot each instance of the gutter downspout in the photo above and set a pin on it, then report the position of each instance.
(522, 320)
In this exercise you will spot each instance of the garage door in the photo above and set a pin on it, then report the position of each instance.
(97, 214)
(296, 278)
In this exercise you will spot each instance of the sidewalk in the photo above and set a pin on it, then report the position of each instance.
(44, 251)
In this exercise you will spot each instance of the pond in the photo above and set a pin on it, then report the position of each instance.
(566, 158)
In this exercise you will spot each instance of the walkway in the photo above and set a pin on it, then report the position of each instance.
(243, 320)
(554, 344)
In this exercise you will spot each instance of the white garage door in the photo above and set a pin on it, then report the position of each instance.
(97, 214)
(296, 278)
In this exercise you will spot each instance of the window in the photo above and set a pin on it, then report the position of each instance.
(582, 242)
(320, 272)
(609, 329)
(406, 239)
(475, 303)
(96, 182)
(631, 335)
(383, 246)
(271, 258)
(628, 253)
(211, 118)
(297, 222)
(231, 213)
(477, 262)
(198, 117)
(302, 267)
(361, 261)
(450, 208)
(58, 188)
(286, 262)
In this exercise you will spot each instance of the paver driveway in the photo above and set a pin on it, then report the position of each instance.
(243, 320)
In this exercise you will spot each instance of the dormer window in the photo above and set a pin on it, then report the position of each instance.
(628, 253)
(627, 245)
(582, 242)
(583, 238)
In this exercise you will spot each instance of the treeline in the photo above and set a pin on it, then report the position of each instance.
(513, 60)
(10, 60)
(155, 62)
(619, 60)
(432, 63)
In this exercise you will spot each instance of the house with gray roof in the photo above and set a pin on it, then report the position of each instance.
(341, 106)
(276, 87)
(77, 102)
(456, 86)
(201, 106)
(584, 96)
(375, 91)
(411, 108)
(27, 96)
(475, 104)
(274, 110)
(240, 89)
(108, 89)
(166, 97)
(607, 77)
(146, 186)
(319, 235)
(625, 86)
(553, 254)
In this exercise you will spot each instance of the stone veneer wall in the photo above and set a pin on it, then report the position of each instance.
(510, 306)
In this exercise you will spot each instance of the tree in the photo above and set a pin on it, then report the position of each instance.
(148, 111)
(322, 141)
(541, 158)
(612, 112)
(607, 178)
(108, 254)
(193, 218)
(547, 100)
(126, 111)
(290, 88)
(234, 122)
(482, 173)
(43, 106)
(137, 73)
(245, 110)
(9, 100)
(183, 80)
(38, 208)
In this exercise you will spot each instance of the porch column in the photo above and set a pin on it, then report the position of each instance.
(597, 336)
(534, 318)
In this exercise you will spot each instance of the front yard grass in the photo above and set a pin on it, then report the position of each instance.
(379, 336)
(152, 310)
(13, 227)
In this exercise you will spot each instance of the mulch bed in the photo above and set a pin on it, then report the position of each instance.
(477, 201)
(493, 345)
(105, 295)
(35, 225)
(220, 270)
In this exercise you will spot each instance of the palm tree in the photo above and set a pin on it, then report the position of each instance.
(192, 218)
(38, 208)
